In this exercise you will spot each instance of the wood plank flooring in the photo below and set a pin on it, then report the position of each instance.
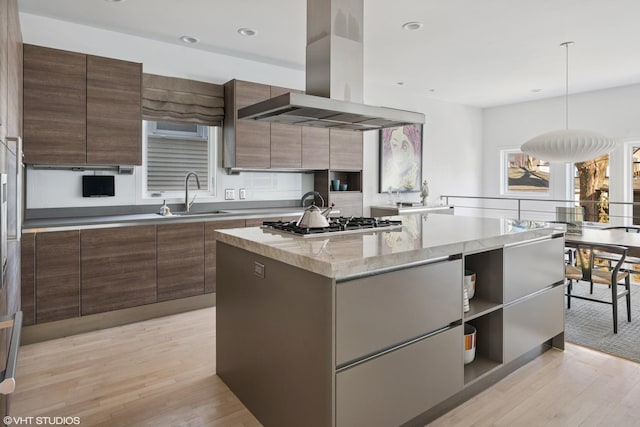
(161, 372)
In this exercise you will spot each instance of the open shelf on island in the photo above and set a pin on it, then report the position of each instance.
(479, 306)
(478, 368)
(489, 345)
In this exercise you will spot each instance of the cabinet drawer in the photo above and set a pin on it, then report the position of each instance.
(532, 267)
(396, 387)
(530, 322)
(377, 312)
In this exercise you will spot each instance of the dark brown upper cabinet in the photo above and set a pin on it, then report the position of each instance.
(247, 143)
(315, 148)
(345, 150)
(81, 109)
(10, 70)
(286, 140)
(55, 103)
(114, 120)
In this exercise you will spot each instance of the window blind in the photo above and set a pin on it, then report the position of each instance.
(169, 160)
(182, 100)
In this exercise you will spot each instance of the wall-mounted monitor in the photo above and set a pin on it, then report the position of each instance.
(98, 186)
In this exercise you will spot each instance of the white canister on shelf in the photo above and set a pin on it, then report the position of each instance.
(470, 283)
(465, 300)
(469, 343)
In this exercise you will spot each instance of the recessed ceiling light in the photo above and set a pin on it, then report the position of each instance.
(247, 32)
(536, 90)
(400, 83)
(189, 39)
(412, 26)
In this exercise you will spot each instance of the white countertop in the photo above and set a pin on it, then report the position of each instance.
(421, 238)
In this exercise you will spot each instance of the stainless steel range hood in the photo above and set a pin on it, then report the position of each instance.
(334, 75)
(308, 110)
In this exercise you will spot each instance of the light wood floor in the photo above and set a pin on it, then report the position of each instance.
(162, 373)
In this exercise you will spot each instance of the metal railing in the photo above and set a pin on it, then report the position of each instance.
(619, 213)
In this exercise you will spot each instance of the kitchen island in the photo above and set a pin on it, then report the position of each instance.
(366, 328)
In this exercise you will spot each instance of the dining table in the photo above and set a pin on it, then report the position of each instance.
(606, 237)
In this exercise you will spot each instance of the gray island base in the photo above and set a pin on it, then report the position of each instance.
(366, 329)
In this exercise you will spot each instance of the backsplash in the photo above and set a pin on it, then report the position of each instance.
(63, 188)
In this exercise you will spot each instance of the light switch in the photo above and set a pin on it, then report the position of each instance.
(242, 193)
(229, 194)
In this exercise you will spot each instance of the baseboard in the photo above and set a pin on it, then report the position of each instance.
(78, 325)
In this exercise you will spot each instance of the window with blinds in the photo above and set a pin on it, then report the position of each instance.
(171, 154)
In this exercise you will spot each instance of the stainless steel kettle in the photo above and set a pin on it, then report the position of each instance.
(314, 217)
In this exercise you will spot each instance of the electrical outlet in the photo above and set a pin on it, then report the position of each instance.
(242, 193)
(229, 194)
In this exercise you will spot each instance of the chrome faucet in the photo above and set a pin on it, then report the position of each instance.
(311, 193)
(187, 204)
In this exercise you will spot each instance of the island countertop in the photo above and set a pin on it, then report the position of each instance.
(422, 237)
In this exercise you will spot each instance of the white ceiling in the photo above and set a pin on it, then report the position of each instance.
(475, 52)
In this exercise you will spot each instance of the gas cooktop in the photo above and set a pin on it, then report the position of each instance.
(336, 226)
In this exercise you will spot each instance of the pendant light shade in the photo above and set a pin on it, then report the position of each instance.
(568, 145)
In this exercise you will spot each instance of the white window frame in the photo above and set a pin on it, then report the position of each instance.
(178, 196)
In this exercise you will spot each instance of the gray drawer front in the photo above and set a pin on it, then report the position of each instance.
(394, 388)
(532, 267)
(532, 321)
(377, 312)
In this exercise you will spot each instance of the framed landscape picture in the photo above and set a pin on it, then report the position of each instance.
(401, 159)
(523, 173)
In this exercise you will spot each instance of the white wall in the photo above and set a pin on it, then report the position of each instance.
(452, 134)
(613, 112)
(452, 146)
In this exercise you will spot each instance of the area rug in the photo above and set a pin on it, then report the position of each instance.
(590, 324)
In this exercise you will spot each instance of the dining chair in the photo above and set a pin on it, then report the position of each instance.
(587, 270)
(632, 264)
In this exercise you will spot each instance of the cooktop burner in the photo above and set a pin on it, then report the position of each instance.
(336, 225)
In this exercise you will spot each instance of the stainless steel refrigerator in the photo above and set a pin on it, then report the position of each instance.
(11, 213)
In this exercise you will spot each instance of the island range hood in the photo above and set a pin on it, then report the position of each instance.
(334, 74)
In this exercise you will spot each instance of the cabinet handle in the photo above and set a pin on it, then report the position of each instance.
(528, 242)
(397, 267)
(18, 183)
(8, 384)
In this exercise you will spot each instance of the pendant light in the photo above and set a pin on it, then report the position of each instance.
(568, 145)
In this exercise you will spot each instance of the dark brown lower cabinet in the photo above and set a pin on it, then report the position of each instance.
(210, 250)
(28, 281)
(77, 273)
(180, 260)
(57, 275)
(118, 268)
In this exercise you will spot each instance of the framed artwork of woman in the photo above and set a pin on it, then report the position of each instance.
(401, 159)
